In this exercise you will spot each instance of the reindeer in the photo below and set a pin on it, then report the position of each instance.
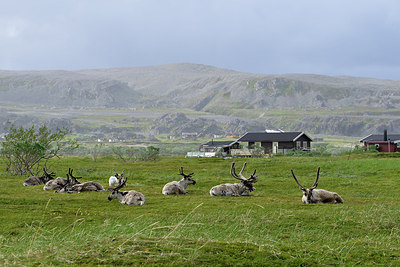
(59, 182)
(116, 180)
(131, 197)
(38, 180)
(73, 186)
(312, 195)
(238, 189)
(179, 188)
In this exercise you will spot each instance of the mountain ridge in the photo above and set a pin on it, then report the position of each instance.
(202, 88)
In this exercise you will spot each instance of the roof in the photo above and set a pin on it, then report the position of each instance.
(220, 143)
(379, 138)
(272, 137)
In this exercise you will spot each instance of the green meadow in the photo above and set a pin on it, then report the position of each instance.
(270, 227)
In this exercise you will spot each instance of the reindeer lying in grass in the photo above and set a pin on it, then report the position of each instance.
(117, 179)
(312, 195)
(38, 180)
(59, 182)
(73, 186)
(131, 197)
(179, 188)
(238, 189)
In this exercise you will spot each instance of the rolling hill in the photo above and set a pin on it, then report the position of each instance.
(315, 103)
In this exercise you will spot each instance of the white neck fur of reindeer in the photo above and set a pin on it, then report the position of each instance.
(116, 180)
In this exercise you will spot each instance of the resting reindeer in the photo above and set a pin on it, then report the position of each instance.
(179, 188)
(239, 189)
(116, 180)
(312, 195)
(59, 182)
(131, 197)
(73, 186)
(38, 180)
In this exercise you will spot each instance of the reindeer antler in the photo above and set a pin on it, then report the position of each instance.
(48, 174)
(301, 187)
(316, 180)
(184, 175)
(117, 175)
(253, 177)
(121, 185)
(73, 177)
(233, 172)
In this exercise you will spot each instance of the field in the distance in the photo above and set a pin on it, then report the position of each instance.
(271, 227)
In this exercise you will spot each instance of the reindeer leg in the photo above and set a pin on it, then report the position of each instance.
(182, 192)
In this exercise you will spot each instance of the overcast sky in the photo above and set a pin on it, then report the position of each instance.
(333, 37)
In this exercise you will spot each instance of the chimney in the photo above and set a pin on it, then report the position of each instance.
(385, 138)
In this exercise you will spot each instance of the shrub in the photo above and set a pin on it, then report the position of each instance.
(25, 149)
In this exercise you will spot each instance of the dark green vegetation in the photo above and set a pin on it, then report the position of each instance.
(26, 149)
(271, 227)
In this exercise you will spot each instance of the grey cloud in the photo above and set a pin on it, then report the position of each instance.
(358, 38)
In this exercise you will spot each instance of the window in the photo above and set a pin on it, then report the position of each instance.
(298, 144)
(251, 145)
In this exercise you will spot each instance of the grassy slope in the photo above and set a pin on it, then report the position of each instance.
(270, 227)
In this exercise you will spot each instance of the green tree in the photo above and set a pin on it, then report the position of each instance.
(126, 154)
(150, 153)
(25, 149)
(130, 154)
(95, 151)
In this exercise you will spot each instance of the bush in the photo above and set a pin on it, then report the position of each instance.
(257, 151)
(150, 153)
(301, 153)
(130, 154)
(25, 149)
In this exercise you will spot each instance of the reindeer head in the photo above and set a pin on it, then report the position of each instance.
(187, 177)
(115, 191)
(47, 176)
(247, 182)
(307, 192)
(71, 180)
(118, 178)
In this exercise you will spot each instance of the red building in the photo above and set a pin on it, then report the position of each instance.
(384, 142)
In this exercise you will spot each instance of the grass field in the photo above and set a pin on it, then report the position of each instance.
(271, 227)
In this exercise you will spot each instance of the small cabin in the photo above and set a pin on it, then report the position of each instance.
(212, 149)
(383, 142)
(223, 146)
(276, 142)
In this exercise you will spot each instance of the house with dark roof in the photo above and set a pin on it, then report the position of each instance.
(271, 143)
(383, 142)
(274, 142)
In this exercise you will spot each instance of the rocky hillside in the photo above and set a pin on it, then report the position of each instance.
(198, 87)
(177, 123)
(63, 88)
(216, 91)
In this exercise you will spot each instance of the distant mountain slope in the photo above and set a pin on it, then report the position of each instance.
(64, 88)
(198, 87)
(293, 102)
